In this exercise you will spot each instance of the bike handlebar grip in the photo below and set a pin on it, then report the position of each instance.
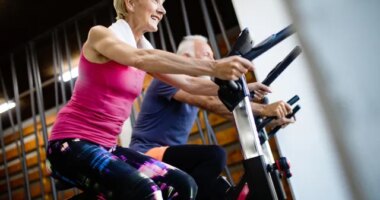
(287, 31)
(294, 111)
(293, 100)
(265, 100)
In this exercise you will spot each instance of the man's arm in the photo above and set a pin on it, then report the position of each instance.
(260, 90)
(209, 103)
(191, 89)
(213, 104)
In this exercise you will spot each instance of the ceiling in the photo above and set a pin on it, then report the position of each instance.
(23, 20)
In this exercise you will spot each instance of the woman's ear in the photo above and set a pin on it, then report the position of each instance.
(130, 5)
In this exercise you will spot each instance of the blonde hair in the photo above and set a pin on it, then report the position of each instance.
(120, 8)
(187, 44)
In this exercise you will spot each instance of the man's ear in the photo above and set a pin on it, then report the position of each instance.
(130, 5)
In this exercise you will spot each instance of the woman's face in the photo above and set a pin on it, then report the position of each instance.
(148, 13)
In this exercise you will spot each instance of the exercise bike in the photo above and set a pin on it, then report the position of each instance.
(261, 170)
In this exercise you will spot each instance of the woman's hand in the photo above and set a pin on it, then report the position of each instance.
(231, 68)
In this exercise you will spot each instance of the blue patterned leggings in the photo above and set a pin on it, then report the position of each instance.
(118, 173)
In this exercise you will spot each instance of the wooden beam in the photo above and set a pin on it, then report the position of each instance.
(13, 153)
(30, 162)
(11, 138)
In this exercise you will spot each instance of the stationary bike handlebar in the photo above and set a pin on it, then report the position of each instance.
(269, 42)
(254, 52)
(281, 66)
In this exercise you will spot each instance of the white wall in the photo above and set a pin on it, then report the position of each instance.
(316, 165)
(343, 40)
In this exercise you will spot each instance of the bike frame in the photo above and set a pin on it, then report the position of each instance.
(236, 97)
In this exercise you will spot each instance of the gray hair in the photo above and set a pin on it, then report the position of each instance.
(187, 44)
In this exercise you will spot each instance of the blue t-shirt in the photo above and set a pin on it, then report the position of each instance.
(162, 121)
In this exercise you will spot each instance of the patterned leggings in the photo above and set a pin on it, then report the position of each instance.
(117, 173)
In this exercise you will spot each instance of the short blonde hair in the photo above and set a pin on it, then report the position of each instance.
(120, 8)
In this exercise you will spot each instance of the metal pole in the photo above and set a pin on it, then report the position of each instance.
(41, 109)
(55, 65)
(20, 131)
(32, 103)
(5, 160)
(209, 130)
(162, 39)
(200, 131)
(79, 41)
(133, 116)
(68, 57)
(221, 26)
(210, 30)
(10, 115)
(60, 67)
(185, 18)
(171, 38)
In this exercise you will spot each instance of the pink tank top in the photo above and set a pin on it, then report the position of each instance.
(102, 100)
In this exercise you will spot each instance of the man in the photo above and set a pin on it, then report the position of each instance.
(168, 114)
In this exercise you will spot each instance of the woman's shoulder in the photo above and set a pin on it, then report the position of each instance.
(96, 35)
(98, 30)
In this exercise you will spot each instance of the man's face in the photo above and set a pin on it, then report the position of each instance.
(203, 50)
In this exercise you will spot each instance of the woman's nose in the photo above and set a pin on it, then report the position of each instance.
(161, 10)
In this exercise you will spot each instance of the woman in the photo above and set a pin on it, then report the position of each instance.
(82, 147)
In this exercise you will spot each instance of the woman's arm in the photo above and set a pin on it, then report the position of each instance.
(190, 84)
(103, 45)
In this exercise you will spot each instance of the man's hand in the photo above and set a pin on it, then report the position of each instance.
(232, 68)
(260, 90)
(277, 109)
(283, 122)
